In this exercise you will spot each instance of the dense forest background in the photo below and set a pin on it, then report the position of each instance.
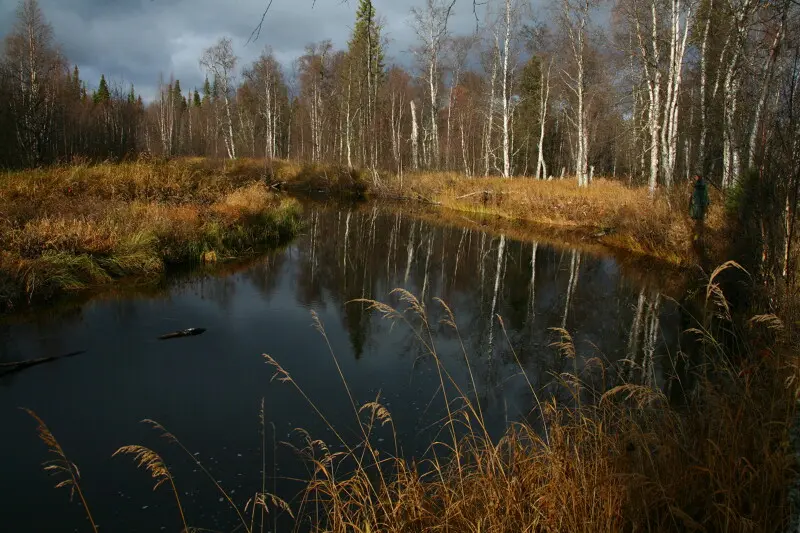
(662, 90)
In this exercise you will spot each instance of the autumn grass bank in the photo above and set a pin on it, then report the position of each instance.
(72, 227)
(608, 213)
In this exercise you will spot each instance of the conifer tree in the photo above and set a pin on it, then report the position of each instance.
(206, 91)
(103, 95)
(76, 83)
(196, 100)
(180, 102)
(364, 74)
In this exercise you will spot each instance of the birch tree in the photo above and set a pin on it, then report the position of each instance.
(507, 31)
(32, 64)
(220, 62)
(663, 74)
(574, 21)
(430, 24)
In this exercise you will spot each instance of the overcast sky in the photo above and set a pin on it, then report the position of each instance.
(136, 40)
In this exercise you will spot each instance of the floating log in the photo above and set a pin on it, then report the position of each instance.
(191, 332)
(8, 368)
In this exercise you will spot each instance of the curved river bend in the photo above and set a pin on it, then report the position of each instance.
(208, 389)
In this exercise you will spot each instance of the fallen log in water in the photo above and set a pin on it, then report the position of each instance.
(8, 368)
(191, 332)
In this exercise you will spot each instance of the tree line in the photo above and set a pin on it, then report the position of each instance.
(660, 90)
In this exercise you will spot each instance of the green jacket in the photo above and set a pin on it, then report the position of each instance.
(699, 202)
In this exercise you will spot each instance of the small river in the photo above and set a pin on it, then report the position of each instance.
(208, 389)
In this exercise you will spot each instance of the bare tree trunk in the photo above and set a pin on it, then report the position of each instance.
(577, 83)
(434, 89)
(414, 136)
(463, 146)
(490, 115)
(651, 60)
(701, 156)
(229, 141)
(669, 131)
(348, 119)
(544, 97)
(766, 79)
(506, 95)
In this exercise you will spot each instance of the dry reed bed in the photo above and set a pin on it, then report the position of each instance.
(68, 228)
(608, 212)
(609, 458)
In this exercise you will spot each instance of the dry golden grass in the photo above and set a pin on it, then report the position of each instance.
(608, 212)
(61, 467)
(68, 228)
(608, 458)
(613, 460)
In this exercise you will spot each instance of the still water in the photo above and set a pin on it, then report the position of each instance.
(207, 390)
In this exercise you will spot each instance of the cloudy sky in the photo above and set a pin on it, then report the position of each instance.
(136, 40)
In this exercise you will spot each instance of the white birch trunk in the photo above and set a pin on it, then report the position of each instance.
(506, 95)
(490, 115)
(544, 97)
(414, 137)
(766, 77)
(701, 156)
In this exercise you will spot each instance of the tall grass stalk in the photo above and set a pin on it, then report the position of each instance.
(61, 465)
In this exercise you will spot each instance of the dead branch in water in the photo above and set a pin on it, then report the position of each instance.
(10, 368)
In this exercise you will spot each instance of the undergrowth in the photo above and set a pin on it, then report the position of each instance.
(606, 457)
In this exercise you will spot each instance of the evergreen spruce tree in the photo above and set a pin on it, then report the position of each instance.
(76, 83)
(103, 95)
(206, 91)
(366, 39)
(180, 102)
(132, 96)
(215, 89)
(196, 101)
(365, 71)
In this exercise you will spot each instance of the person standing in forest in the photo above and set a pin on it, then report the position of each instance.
(699, 200)
(698, 204)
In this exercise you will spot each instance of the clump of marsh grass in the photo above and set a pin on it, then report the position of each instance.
(68, 228)
(618, 457)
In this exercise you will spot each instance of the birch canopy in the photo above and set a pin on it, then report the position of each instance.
(652, 94)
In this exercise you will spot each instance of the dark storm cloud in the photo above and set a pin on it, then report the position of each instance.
(135, 41)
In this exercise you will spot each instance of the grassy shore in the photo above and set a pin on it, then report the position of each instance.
(72, 227)
(608, 213)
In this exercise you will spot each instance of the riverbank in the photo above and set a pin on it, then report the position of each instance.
(72, 227)
(608, 213)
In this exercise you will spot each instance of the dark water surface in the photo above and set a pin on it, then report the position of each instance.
(207, 390)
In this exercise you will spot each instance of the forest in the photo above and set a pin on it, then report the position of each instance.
(550, 127)
(657, 91)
